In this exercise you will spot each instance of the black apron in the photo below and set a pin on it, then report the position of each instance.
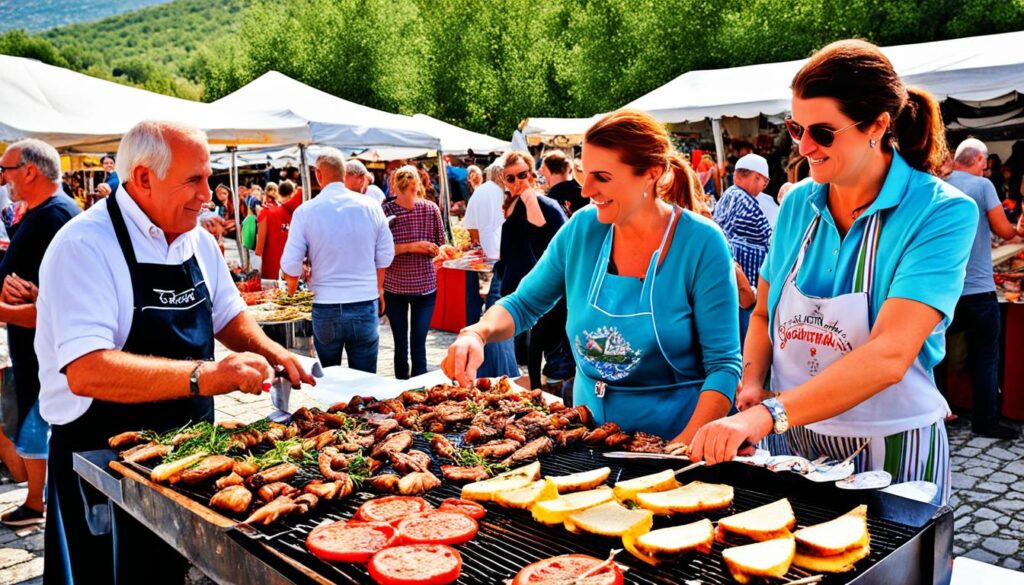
(172, 318)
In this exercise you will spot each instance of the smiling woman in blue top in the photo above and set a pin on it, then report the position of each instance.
(862, 277)
(650, 289)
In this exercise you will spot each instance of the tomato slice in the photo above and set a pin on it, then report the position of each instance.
(416, 564)
(350, 543)
(471, 509)
(391, 508)
(437, 527)
(566, 569)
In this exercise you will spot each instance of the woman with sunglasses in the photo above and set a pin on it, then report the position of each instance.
(863, 274)
(649, 285)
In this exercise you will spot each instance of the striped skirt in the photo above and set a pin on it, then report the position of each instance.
(915, 455)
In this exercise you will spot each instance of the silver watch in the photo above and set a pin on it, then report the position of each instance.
(780, 420)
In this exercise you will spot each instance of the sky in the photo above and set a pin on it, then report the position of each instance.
(37, 15)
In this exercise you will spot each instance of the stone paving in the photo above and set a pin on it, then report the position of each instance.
(988, 485)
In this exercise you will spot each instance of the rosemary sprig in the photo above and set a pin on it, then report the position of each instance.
(470, 458)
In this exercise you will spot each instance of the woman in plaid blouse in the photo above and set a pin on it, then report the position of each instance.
(410, 283)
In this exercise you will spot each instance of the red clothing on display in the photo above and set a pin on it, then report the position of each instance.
(277, 218)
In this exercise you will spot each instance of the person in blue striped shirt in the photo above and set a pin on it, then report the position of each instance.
(745, 225)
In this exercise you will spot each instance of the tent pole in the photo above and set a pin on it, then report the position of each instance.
(243, 254)
(445, 196)
(716, 129)
(304, 174)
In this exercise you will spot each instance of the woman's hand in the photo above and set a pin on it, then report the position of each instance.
(720, 440)
(751, 395)
(465, 355)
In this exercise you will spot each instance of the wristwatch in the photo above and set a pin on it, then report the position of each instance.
(193, 380)
(780, 420)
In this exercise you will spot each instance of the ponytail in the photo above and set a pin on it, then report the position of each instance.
(919, 132)
(681, 186)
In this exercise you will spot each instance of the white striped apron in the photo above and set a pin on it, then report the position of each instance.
(904, 421)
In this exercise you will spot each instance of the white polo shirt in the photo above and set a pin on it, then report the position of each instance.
(484, 214)
(346, 238)
(85, 299)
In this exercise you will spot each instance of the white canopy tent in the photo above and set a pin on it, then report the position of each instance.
(455, 140)
(974, 69)
(560, 132)
(79, 113)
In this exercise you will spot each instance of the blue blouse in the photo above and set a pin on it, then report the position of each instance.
(925, 239)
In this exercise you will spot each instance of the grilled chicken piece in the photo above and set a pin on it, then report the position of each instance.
(208, 468)
(437, 427)
(330, 420)
(384, 427)
(147, 452)
(319, 441)
(373, 465)
(570, 436)
(330, 459)
(451, 412)
(533, 449)
(272, 490)
(410, 397)
(228, 481)
(171, 471)
(384, 484)
(586, 417)
(410, 462)
(393, 443)
(306, 502)
(456, 473)
(442, 446)
(245, 468)
(418, 483)
(600, 433)
(269, 513)
(646, 443)
(323, 490)
(481, 434)
(302, 414)
(278, 472)
(234, 498)
(497, 449)
(392, 406)
(276, 432)
(515, 432)
(125, 439)
(616, 439)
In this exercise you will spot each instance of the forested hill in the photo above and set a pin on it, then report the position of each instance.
(482, 64)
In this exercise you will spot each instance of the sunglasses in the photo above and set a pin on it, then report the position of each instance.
(521, 176)
(17, 166)
(820, 134)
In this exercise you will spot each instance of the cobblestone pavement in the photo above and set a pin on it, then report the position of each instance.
(988, 485)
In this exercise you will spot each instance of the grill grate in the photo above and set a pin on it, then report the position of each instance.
(510, 539)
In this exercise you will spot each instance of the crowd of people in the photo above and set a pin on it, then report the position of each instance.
(672, 296)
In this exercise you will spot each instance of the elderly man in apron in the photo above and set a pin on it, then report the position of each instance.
(131, 300)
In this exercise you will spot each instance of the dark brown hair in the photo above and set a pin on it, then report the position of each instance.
(556, 162)
(862, 80)
(642, 143)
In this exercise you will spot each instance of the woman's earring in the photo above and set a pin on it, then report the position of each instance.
(645, 194)
(872, 143)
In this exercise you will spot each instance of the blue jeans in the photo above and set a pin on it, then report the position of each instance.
(352, 327)
(397, 307)
(977, 315)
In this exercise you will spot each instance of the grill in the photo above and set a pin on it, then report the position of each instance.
(910, 541)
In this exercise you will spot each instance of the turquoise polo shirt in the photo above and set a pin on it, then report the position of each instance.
(927, 228)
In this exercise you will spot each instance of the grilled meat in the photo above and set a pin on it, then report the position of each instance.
(276, 432)
(405, 463)
(481, 434)
(319, 441)
(386, 483)
(182, 437)
(391, 406)
(570, 436)
(234, 498)
(452, 412)
(515, 432)
(678, 449)
(272, 490)
(373, 465)
(330, 420)
(228, 481)
(410, 397)
(173, 470)
(125, 439)
(328, 490)
(417, 483)
(600, 433)
(329, 459)
(306, 502)
(245, 468)
(146, 452)
(645, 443)
(532, 450)
(616, 439)
(392, 443)
(442, 446)
(278, 472)
(208, 468)
(456, 473)
(497, 449)
(436, 427)
(269, 513)
(384, 427)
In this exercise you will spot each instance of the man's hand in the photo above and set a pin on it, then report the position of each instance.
(307, 271)
(18, 291)
(103, 190)
(244, 371)
(750, 396)
(380, 305)
(214, 224)
(290, 363)
(426, 248)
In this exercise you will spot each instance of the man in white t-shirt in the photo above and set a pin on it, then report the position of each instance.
(132, 296)
(484, 215)
(769, 207)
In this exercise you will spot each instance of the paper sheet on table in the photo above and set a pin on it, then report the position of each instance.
(338, 384)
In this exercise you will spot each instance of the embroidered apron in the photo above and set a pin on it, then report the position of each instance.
(623, 371)
(172, 318)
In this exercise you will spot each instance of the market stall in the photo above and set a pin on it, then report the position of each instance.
(910, 541)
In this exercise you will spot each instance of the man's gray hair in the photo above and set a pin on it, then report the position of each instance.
(145, 145)
(968, 150)
(356, 168)
(39, 154)
(493, 172)
(333, 158)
